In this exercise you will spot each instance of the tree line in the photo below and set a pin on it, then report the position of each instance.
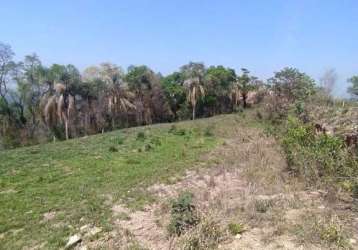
(39, 103)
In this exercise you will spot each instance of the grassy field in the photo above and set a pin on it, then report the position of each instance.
(78, 180)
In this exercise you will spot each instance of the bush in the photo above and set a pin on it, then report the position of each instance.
(236, 228)
(207, 235)
(113, 149)
(315, 156)
(141, 136)
(325, 228)
(331, 232)
(119, 140)
(209, 131)
(276, 109)
(183, 214)
(177, 131)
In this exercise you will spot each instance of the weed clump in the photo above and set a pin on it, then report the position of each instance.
(207, 235)
(263, 205)
(326, 229)
(236, 228)
(113, 149)
(209, 131)
(183, 214)
(141, 136)
(177, 131)
(119, 140)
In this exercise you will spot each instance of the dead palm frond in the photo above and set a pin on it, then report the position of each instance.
(195, 92)
(59, 108)
(235, 94)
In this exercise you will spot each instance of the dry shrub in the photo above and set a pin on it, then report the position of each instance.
(206, 235)
(324, 229)
(276, 108)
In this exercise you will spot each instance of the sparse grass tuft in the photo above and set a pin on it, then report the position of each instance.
(236, 228)
(263, 205)
(209, 131)
(324, 229)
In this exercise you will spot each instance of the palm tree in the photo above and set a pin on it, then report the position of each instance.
(118, 100)
(194, 82)
(234, 94)
(59, 108)
(195, 92)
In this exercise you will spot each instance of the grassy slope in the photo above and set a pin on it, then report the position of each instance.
(76, 178)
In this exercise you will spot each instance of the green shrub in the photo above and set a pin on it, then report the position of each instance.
(236, 228)
(141, 136)
(183, 214)
(314, 156)
(177, 131)
(113, 149)
(119, 140)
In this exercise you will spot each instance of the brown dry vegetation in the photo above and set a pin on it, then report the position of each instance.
(245, 182)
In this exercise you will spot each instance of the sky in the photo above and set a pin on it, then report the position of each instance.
(263, 36)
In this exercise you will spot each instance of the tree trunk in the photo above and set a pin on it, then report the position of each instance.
(194, 112)
(66, 129)
(244, 99)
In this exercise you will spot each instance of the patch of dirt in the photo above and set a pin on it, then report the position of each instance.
(49, 216)
(9, 191)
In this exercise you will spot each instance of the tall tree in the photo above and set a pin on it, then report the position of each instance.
(353, 90)
(245, 85)
(194, 82)
(328, 81)
(6, 68)
(174, 91)
(218, 83)
(59, 109)
(292, 84)
(141, 80)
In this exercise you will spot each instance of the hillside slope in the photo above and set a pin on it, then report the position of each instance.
(114, 191)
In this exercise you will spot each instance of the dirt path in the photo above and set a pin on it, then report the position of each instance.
(245, 183)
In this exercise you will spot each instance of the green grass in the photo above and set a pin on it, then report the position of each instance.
(75, 178)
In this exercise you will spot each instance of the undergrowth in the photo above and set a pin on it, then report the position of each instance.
(317, 157)
(183, 214)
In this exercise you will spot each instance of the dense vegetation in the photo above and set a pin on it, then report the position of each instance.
(40, 103)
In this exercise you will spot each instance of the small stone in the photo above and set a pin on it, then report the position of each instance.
(352, 241)
(84, 228)
(72, 241)
(321, 207)
(95, 230)
(49, 216)
(238, 236)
